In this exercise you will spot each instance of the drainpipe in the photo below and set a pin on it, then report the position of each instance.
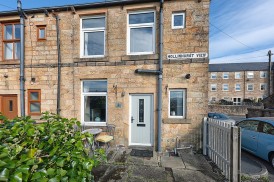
(160, 78)
(59, 65)
(22, 56)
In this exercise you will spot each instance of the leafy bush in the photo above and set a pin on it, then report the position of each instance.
(52, 151)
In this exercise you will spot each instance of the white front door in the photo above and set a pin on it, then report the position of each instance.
(141, 120)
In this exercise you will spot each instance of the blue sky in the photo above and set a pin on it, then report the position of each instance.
(240, 30)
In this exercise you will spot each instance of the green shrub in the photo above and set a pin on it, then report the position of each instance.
(52, 151)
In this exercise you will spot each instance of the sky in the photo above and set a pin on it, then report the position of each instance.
(240, 30)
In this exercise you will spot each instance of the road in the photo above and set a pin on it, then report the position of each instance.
(263, 162)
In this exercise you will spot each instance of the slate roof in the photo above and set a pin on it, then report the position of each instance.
(232, 67)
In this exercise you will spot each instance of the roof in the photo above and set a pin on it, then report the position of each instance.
(232, 67)
(103, 3)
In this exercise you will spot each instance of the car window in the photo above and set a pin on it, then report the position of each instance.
(251, 125)
(268, 129)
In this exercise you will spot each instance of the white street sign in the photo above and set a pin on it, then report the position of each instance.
(187, 55)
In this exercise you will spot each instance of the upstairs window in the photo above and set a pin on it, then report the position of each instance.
(93, 36)
(225, 75)
(213, 87)
(141, 33)
(11, 41)
(250, 87)
(263, 74)
(34, 102)
(213, 75)
(41, 32)
(250, 74)
(225, 87)
(263, 86)
(237, 75)
(178, 20)
(237, 87)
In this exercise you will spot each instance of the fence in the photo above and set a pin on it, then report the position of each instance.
(222, 144)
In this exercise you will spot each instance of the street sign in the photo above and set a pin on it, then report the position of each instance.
(196, 55)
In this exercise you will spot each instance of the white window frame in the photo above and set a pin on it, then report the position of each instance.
(237, 102)
(250, 74)
(236, 87)
(86, 30)
(224, 74)
(92, 123)
(142, 25)
(237, 73)
(227, 87)
(248, 88)
(261, 86)
(213, 85)
(212, 75)
(184, 103)
(263, 73)
(184, 19)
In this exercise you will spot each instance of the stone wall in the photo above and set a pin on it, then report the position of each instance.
(253, 112)
(231, 109)
(118, 68)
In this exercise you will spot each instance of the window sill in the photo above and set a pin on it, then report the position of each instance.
(176, 121)
(94, 123)
(140, 57)
(17, 62)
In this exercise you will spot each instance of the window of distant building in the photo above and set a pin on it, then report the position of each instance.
(237, 101)
(225, 87)
(93, 36)
(225, 75)
(263, 86)
(237, 75)
(263, 74)
(250, 87)
(11, 41)
(141, 33)
(213, 75)
(250, 74)
(237, 87)
(178, 20)
(213, 87)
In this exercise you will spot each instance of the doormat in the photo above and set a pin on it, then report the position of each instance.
(141, 153)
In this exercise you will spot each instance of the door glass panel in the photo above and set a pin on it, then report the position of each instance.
(141, 110)
(35, 107)
(10, 105)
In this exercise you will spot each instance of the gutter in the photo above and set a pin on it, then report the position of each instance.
(79, 6)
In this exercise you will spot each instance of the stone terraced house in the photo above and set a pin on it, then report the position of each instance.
(107, 69)
(238, 81)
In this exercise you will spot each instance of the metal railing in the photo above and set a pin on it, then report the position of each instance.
(222, 144)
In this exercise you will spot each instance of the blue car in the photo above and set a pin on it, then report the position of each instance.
(258, 137)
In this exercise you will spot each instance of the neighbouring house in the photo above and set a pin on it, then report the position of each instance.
(235, 82)
(108, 67)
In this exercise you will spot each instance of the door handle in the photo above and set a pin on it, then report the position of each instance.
(253, 137)
(132, 119)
